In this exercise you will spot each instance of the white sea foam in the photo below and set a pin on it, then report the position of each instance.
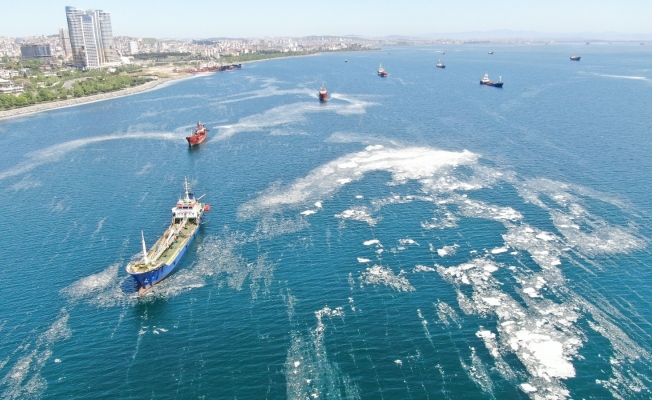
(290, 114)
(380, 275)
(309, 374)
(447, 250)
(24, 379)
(372, 242)
(588, 232)
(423, 268)
(54, 153)
(478, 373)
(542, 336)
(26, 183)
(403, 163)
(360, 213)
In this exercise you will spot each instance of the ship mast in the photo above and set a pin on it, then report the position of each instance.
(145, 259)
(186, 186)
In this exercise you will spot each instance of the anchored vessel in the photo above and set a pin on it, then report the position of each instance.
(440, 64)
(491, 52)
(161, 259)
(486, 81)
(381, 71)
(575, 58)
(323, 93)
(198, 135)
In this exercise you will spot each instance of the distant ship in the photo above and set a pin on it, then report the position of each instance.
(345, 60)
(323, 94)
(161, 259)
(491, 52)
(575, 58)
(198, 135)
(231, 67)
(440, 64)
(381, 71)
(486, 81)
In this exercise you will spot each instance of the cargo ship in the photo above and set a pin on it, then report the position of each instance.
(486, 81)
(161, 259)
(381, 71)
(440, 64)
(323, 94)
(575, 58)
(198, 135)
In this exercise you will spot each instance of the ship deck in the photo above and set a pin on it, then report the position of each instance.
(172, 251)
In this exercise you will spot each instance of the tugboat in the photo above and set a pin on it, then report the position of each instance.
(575, 58)
(486, 81)
(161, 259)
(198, 135)
(381, 71)
(440, 64)
(323, 94)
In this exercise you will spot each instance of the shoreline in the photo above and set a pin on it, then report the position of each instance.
(152, 85)
(145, 87)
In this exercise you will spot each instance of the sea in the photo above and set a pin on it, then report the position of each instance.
(419, 236)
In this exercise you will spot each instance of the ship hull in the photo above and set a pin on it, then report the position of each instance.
(382, 74)
(150, 278)
(575, 58)
(441, 66)
(323, 97)
(494, 84)
(195, 139)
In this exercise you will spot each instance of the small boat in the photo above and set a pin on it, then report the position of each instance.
(161, 259)
(345, 60)
(440, 64)
(198, 135)
(323, 94)
(491, 52)
(575, 58)
(443, 52)
(486, 81)
(381, 71)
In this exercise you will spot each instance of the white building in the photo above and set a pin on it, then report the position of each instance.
(133, 48)
(8, 87)
(91, 37)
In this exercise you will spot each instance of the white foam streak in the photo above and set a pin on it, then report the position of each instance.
(290, 114)
(403, 163)
(55, 153)
(16, 382)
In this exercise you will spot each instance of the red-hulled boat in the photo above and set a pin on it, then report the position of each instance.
(381, 71)
(323, 94)
(198, 135)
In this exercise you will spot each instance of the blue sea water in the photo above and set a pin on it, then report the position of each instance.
(417, 237)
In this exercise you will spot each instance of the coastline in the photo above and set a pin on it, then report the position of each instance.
(145, 87)
(152, 85)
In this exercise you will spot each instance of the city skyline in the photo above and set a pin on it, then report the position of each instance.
(255, 18)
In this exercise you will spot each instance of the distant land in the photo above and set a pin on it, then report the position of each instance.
(501, 35)
(504, 34)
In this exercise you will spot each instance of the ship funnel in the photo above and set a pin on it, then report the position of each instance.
(144, 248)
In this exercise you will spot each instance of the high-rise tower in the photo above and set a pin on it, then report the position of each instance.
(91, 37)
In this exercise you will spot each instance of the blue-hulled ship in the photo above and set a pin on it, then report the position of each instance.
(161, 259)
(486, 81)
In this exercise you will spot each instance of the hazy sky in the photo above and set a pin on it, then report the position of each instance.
(249, 18)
